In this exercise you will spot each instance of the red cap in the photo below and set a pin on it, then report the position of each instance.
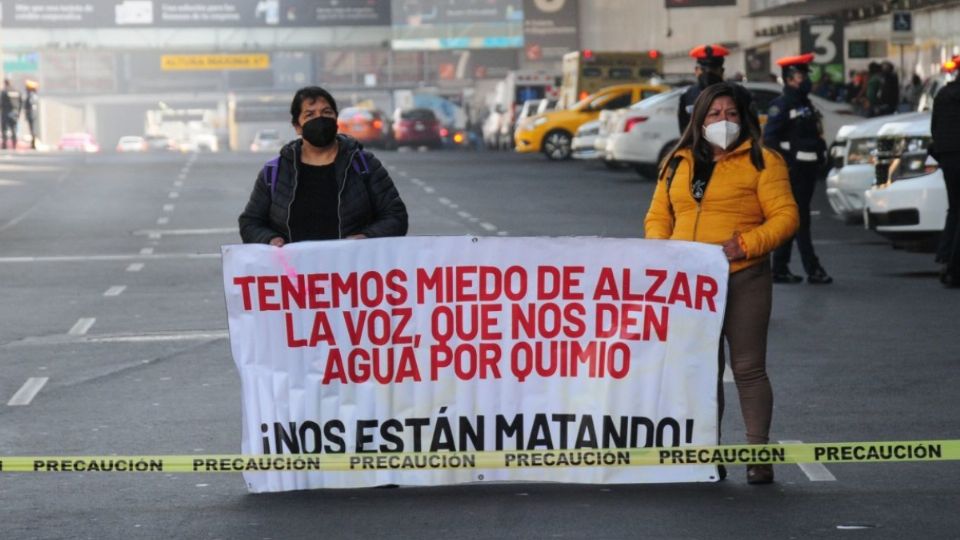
(799, 60)
(709, 55)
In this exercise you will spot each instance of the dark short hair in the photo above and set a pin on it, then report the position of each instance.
(310, 93)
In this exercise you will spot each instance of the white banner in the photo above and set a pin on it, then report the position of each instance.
(401, 352)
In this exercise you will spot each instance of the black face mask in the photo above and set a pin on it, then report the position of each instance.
(321, 131)
(708, 78)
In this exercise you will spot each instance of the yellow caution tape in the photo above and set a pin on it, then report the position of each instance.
(850, 452)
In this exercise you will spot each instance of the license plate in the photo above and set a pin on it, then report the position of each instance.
(419, 127)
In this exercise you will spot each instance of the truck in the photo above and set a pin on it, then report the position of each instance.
(587, 71)
(505, 103)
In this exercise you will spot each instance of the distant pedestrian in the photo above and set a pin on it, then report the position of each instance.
(322, 186)
(874, 82)
(889, 94)
(945, 128)
(30, 106)
(911, 94)
(10, 104)
(795, 130)
(721, 186)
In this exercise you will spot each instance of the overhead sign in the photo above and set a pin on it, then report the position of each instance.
(458, 24)
(193, 13)
(214, 62)
(824, 38)
(901, 31)
(410, 351)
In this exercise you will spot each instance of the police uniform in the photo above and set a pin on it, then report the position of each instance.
(10, 105)
(795, 130)
(710, 60)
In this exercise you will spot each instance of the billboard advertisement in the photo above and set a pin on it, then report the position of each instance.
(457, 24)
(549, 29)
(193, 13)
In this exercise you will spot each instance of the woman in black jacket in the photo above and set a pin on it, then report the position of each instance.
(323, 186)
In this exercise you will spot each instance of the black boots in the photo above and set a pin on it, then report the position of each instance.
(819, 277)
(784, 275)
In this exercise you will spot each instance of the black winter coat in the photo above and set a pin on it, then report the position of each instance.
(945, 122)
(369, 203)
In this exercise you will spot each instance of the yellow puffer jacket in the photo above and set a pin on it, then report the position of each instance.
(739, 198)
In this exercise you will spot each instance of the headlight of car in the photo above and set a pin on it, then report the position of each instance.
(862, 152)
(912, 165)
(539, 121)
(914, 145)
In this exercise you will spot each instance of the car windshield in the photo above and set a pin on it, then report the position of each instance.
(263, 135)
(655, 100)
(417, 114)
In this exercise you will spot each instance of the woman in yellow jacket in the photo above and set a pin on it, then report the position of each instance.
(721, 186)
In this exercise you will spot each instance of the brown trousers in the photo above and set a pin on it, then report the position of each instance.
(745, 323)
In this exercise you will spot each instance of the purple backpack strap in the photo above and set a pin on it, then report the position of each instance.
(270, 171)
(363, 163)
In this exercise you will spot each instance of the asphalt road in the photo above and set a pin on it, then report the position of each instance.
(113, 308)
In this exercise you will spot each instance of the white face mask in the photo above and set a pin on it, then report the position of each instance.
(722, 133)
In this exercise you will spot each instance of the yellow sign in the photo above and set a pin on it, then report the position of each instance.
(846, 452)
(214, 62)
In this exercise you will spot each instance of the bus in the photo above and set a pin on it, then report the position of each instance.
(585, 72)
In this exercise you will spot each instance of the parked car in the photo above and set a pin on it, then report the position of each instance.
(643, 134)
(160, 143)
(131, 143)
(266, 140)
(369, 126)
(854, 166)
(78, 142)
(908, 202)
(583, 146)
(417, 127)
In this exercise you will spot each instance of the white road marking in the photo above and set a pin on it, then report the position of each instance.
(154, 236)
(148, 338)
(13, 222)
(502, 233)
(178, 183)
(135, 267)
(146, 251)
(81, 327)
(402, 173)
(163, 220)
(428, 189)
(95, 258)
(28, 391)
(464, 215)
(488, 226)
(4, 182)
(174, 194)
(168, 208)
(186, 232)
(816, 472)
(474, 219)
(416, 181)
(115, 290)
(444, 201)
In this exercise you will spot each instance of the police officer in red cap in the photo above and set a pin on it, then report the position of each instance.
(795, 130)
(709, 70)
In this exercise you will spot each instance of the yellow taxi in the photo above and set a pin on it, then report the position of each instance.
(552, 132)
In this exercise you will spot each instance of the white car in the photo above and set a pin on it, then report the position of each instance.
(645, 132)
(583, 144)
(132, 143)
(909, 204)
(855, 167)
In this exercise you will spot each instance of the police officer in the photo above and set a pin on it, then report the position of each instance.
(945, 127)
(709, 70)
(10, 104)
(794, 129)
